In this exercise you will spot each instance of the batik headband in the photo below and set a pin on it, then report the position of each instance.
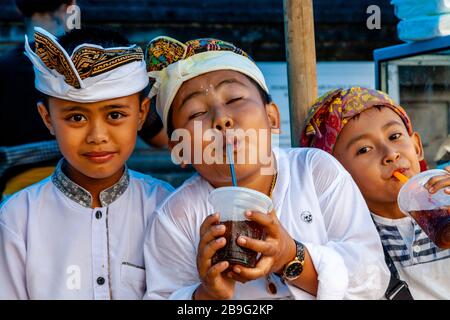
(92, 73)
(332, 111)
(171, 62)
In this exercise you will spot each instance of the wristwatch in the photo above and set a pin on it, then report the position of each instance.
(293, 269)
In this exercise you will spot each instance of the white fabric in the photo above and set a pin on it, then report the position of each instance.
(341, 237)
(119, 82)
(424, 27)
(170, 79)
(53, 248)
(407, 9)
(427, 280)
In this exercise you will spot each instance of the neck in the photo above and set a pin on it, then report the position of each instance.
(387, 210)
(93, 185)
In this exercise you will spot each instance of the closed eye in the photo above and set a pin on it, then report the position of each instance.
(233, 100)
(197, 114)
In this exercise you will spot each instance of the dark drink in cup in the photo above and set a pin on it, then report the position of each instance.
(431, 211)
(436, 224)
(232, 203)
(232, 252)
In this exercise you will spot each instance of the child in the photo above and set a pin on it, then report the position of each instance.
(372, 137)
(320, 220)
(79, 233)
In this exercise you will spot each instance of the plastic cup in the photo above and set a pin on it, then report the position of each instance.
(232, 203)
(430, 211)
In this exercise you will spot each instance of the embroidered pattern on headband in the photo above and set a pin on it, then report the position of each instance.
(88, 61)
(164, 51)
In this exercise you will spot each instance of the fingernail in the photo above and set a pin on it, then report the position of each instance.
(248, 213)
(242, 240)
(220, 227)
(447, 190)
(431, 190)
(220, 240)
(237, 270)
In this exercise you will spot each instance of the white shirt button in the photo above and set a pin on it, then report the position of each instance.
(416, 249)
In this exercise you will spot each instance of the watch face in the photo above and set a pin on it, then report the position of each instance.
(294, 270)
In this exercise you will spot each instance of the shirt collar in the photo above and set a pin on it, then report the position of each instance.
(80, 195)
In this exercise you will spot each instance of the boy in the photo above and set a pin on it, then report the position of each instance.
(320, 224)
(372, 137)
(79, 233)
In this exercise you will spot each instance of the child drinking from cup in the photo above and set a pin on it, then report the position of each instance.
(372, 138)
(320, 241)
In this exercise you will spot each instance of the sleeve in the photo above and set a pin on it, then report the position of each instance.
(352, 237)
(171, 259)
(12, 263)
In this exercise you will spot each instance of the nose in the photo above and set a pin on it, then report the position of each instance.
(391, 156)
(98, 134)
(222, 121)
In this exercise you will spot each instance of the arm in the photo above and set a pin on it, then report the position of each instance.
(12, 264)
(351, 234)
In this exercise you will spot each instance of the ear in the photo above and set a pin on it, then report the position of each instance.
(273, 114)
(143, 111)
(418, 145)
(45, 115)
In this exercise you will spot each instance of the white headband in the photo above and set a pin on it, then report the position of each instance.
(92, 73)
(169, 80)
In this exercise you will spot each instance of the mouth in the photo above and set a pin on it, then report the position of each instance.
(399, 170)
(100, 156)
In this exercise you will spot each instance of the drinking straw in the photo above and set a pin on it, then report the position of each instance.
(230, 159)
(401, 177)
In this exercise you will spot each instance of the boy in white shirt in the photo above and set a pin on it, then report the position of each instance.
(319, 216)
(372, 137)
(79, 233)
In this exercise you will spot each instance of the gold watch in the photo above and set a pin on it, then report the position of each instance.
(293, 269)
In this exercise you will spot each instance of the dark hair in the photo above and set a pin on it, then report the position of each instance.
(265, 97)
(95, 35)
(30, 7)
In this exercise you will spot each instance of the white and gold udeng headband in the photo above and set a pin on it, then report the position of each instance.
(169, 79)
(92, 73)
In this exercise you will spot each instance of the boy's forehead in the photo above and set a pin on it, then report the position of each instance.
(214, 78)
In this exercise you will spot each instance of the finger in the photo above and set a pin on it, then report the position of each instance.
(261, 269)
(268, 221)
(216, 270)
(208, 222)
(443, 183)
(236, 277)
(265, 247)
(447, 168)
(435, 180)
(211, 234)
(210, 249)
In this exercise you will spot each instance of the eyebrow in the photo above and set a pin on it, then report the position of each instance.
(195, 93)
(366, 135)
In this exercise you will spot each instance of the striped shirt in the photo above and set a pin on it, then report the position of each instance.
(424, 266)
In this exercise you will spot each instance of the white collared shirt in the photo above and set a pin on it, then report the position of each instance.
(53, 245)
(317, 202)
(418, 261)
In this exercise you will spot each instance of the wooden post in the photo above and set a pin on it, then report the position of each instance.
(301, 62)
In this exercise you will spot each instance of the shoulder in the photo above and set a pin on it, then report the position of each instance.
(314, 161)
(188, 201)
(149, 184)
(15, 210)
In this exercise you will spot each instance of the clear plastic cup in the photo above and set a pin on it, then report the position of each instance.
(430, 211)
(232, 203)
